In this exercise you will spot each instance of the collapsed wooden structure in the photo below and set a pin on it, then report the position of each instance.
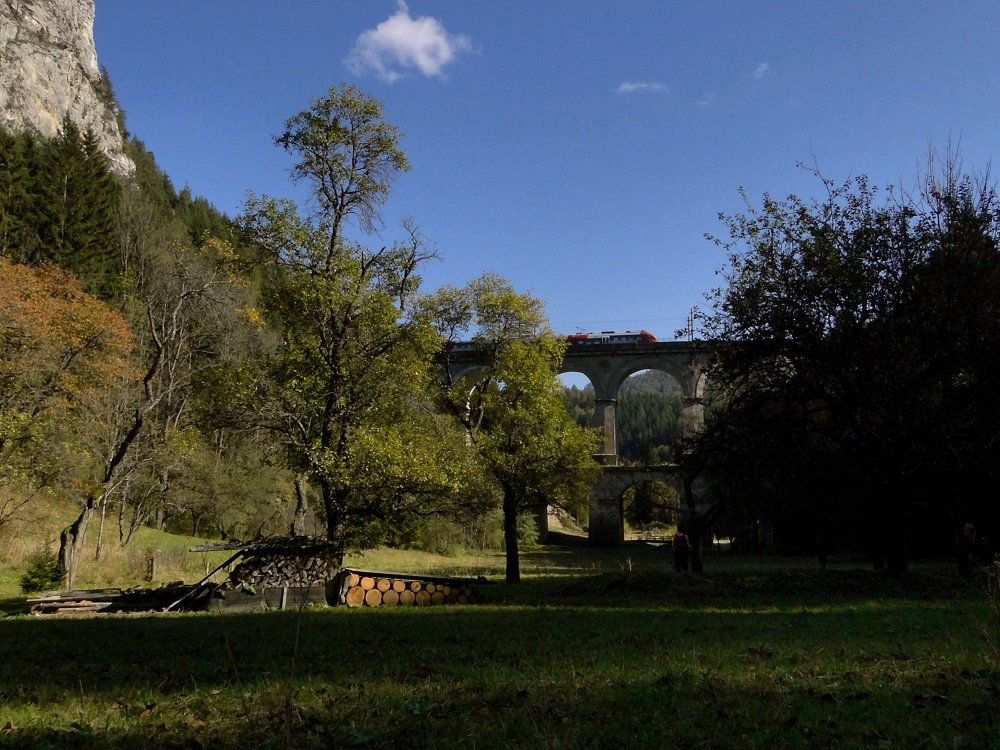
(276, 573)
(112, 600)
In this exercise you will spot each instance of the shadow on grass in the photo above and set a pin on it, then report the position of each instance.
(671, 710)
(108, 653)
(904, 672)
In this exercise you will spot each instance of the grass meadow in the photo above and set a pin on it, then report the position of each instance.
(595, 649)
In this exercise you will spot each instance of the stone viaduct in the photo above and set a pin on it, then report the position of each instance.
(607, 366)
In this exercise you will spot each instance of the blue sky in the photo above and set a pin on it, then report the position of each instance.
(580, 149)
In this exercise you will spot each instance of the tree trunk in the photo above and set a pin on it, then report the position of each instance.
(71, 543)
(896, 541)
(889, 539)
(696, 538)
(100, 528)
(301, 506)
(695, 528)
(510, 540)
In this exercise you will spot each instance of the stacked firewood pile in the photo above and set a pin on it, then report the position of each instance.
(289, 561)
(358, 588)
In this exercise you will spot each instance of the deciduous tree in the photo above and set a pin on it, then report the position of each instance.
(852, 373)
(346, 389)
(60, 351)
(512, 409)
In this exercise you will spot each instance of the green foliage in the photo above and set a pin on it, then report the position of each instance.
(153, 183)
(348, 156)
(346, 390)
(651, 505)
(59, 204)
(199, 218)
(106, 93)
(512, 408)
(991, 624)
(154, 255)
(580, 404)
(527, 533)
(19, 238)
(477, 529)
(647, 417)
(42, 572)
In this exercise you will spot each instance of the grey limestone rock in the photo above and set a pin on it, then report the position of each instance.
(49, 70)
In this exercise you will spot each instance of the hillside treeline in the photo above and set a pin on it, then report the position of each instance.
(120, 298)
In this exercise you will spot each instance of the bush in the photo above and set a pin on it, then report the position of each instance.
(43, 572)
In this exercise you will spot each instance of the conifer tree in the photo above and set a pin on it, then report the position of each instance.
(18, 236)
(78, 195)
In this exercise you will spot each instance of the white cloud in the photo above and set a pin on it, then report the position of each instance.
(760, 70)
(631, 87)
(402, 42)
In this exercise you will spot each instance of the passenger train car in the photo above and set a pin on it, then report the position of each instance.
(575, 339)
(611, 337)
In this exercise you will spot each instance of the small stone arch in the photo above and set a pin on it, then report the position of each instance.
(607, 525)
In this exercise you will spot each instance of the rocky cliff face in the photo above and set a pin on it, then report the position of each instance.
(48, 70)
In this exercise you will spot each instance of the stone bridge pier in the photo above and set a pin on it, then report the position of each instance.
(609, 366)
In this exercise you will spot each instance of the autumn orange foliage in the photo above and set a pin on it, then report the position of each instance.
(61, 352)
(58, 344)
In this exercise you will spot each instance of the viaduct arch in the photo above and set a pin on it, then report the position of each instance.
(607, 366)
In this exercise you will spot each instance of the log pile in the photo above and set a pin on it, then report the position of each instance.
(275, 570)
(359, 588)
(292, 562)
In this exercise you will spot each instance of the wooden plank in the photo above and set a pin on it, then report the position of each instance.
(93, 595)
(198, 586)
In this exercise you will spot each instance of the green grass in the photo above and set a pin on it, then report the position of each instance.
(597, 648)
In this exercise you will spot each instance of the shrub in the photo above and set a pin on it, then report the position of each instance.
(43, 572)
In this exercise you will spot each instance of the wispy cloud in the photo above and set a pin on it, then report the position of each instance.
(706, 100)
(401, 43)
(761, 70)
(632, 87)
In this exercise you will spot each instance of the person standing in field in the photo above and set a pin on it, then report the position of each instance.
(680, 545)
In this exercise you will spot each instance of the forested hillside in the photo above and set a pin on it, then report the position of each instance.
(121, 299)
